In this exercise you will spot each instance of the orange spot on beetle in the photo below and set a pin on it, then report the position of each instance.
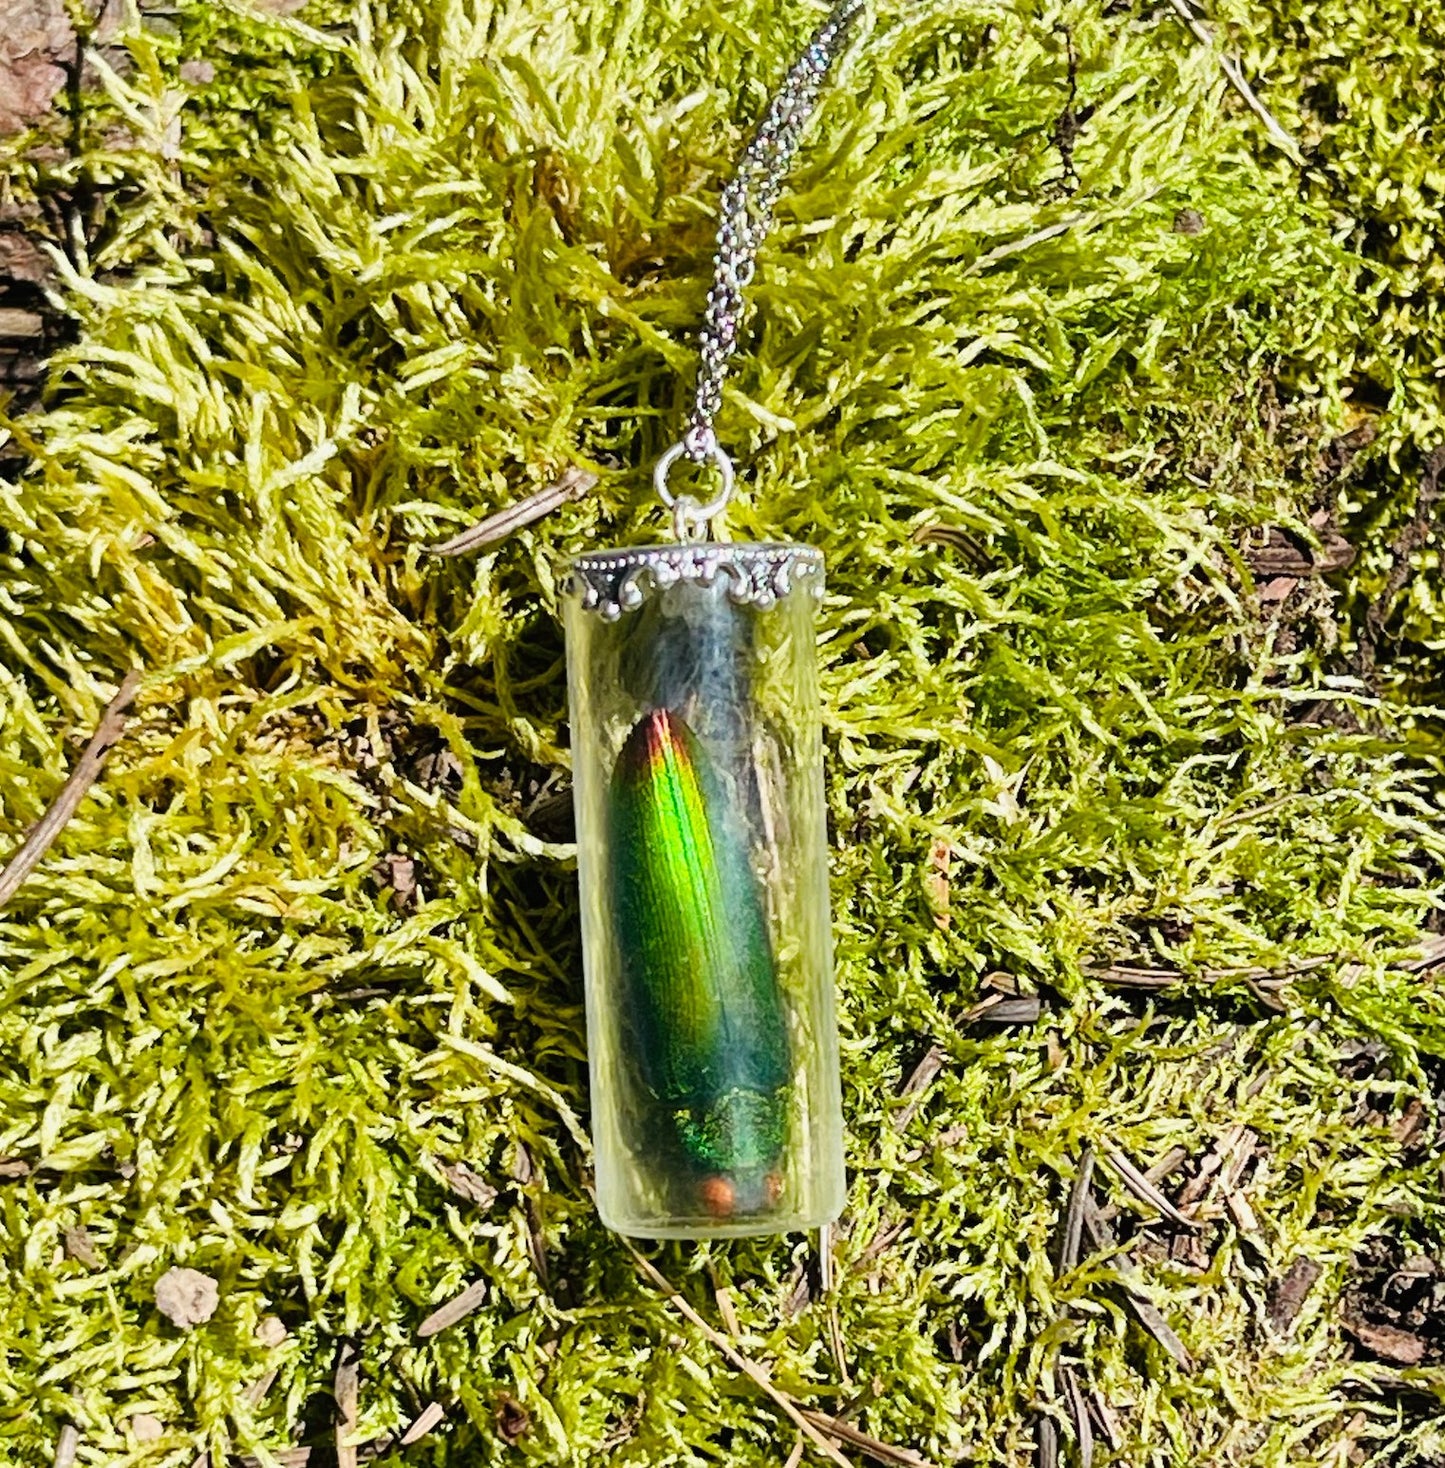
(773, 1186)
(717, 1196)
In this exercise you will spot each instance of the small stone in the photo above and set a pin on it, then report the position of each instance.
(186, 1297)
(271, 1330)
(198, 73)
(147, 1427)
(1188, 221)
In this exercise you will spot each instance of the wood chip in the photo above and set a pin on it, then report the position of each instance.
(81, 1247)
(1150, 1317)
(922, 1074)
(1387, 1342)
(1241, 1212)
(1131, 976)
(724, 1298)
(536, 1241)
(1143, 1309)
(1432, 954)
(258, 1390)
(1143, 1189)
(147, 1427)
(20, 325)
(13, 1167)
(1408, 1125)
(883, 1238)
(1288, 557)
(571, 485)
(67, 1444)
(1021, 1011)
(1240, 1155)
(466, 1183)
(67, 802)
(428, 1418)
(348, 1403)
(1212, 1163)
(1167, 1165)
(1288, 1296)
(454, 1310)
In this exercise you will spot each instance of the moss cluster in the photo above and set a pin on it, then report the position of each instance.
(1046, 335)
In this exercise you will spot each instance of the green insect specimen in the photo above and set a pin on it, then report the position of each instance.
(705, 1012)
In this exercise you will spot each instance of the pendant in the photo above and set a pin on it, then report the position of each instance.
(702, 859)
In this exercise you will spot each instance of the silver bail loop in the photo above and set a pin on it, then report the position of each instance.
(691, 519)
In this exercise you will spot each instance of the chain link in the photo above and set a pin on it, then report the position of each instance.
(745, 216)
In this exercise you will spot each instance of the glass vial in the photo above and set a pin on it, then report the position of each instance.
(702, 853)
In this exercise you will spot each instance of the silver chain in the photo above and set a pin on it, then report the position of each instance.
(745, 216)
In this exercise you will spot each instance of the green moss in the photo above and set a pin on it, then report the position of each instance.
(396, 269)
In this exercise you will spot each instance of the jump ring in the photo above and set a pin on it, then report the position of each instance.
(685, 509)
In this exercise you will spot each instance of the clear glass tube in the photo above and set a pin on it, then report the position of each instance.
(702, 853)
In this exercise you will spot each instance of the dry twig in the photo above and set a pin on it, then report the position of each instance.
(749, 1368)
(571, 485)
(1143, 1189)
(826, 1289)
(917, 1084)
(82, 777)
(1145, 1311)
(865, 1442)
(1231, 68)
(1074, 1216)
(1079, 1414)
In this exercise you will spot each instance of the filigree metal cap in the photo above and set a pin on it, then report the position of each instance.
(611, 582)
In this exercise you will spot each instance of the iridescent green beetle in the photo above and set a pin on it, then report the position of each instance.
(704, 1009)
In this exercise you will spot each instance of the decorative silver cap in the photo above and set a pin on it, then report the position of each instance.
(615, 581)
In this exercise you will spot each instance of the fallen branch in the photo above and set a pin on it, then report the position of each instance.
(82, 777)
(571, 485)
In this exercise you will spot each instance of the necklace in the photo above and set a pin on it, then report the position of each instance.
(701, 826)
